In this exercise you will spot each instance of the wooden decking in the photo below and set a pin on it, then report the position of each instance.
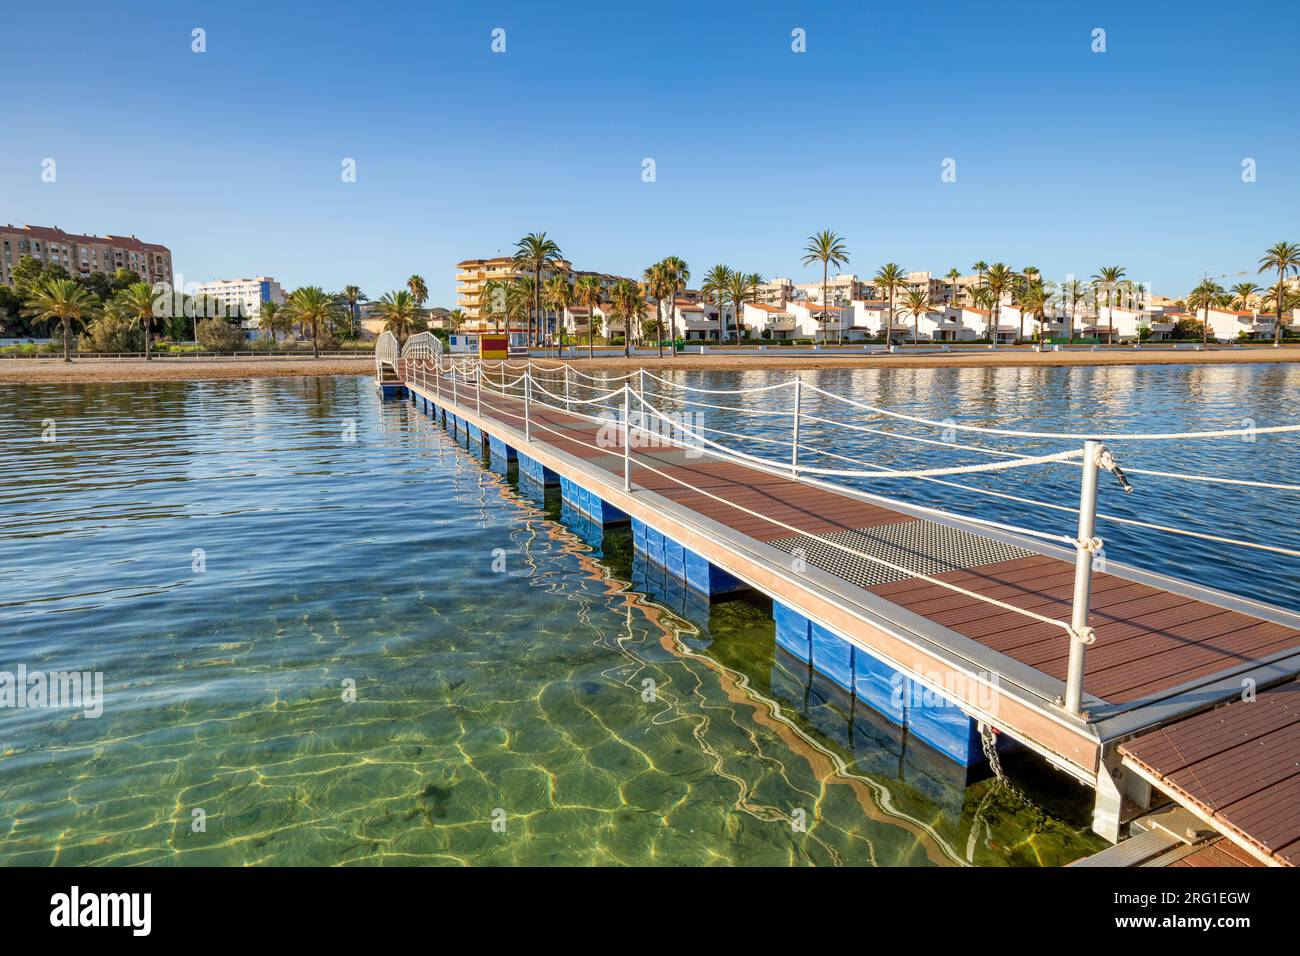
(1164, 650)
(1149, 640)
(1238, 766)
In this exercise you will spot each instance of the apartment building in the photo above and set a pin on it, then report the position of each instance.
(82, 255)
(243, 297)
(1228, 325)
(840, 290)
(473, 274)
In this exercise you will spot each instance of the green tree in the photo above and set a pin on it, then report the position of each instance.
(658, 284)
(315, 308)
(64, 301)
(889, 279)
(400, 313)
(1107, 280)
(678, 275)
(829, 249)
(1074, 290)
(1243, 293)
(1205, 296)
(916, 303)
(353, 296)
(742, 288)
(628, 301)
(136, 303)
(998, 279)
(953, 275)
(716, 286)
(535, 253)
(557, 295)
(418, 289)
(1285, 258)
(586, 293)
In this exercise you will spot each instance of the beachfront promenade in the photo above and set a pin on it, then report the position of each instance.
(971, 633)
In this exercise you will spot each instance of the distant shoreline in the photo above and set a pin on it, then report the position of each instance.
(55, 371)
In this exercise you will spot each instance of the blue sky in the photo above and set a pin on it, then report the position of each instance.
(1066, 159)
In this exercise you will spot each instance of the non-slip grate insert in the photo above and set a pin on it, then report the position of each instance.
(922, 547)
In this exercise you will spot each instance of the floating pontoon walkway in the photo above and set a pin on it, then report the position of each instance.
(1237, 767)
(890, 599)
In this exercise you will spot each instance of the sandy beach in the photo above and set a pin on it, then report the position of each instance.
(41, 371)
(46, 371)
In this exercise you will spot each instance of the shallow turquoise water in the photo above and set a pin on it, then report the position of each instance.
(512, 696)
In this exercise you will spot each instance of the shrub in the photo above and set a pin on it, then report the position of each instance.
(111, 333)
(218, 335)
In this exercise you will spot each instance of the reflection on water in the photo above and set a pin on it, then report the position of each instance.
(241, 558)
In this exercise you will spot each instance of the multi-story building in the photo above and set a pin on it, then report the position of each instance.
(473, 274)
(82, 255)
(243, 297)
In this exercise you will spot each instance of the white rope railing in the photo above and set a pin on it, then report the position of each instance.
(1091, 458)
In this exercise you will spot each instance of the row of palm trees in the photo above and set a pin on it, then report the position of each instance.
(1032, 296)
(68, 303)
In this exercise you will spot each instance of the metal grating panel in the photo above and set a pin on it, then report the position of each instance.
(922, 547)
(660, 459)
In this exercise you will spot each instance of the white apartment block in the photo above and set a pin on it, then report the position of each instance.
(243, 297)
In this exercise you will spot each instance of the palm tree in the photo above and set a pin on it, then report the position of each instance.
(586, 293)
(313, 306)
(678, 275)
(952, 277)
(419, 291)
(659, 285)
(135, 303)
(628, 301)
(400, 313)
(492, 294)
(1031, 298)
(1242, 294)
(827, 248)
(456, 319)
(998, 279)
(268, 319)
(1284, 257)
(352, 294)
(64, 301)
(1205, 296)
(519, 300)
(558, 294)
(980, 268)
(1073, 290)
(889, 280)
(916, 303)
(534, 252)
(742, 288)
(1107, 280)
(716, 284)
(982, 297)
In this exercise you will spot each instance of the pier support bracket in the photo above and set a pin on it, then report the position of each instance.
(1121, 794)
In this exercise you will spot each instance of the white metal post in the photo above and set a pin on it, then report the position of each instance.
(1081, 635)
(528, 401)
(478, 389)
(567, 406)
(454, 397)
(627, 437)
(794, 444)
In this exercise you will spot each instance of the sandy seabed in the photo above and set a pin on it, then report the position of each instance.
(53, 370)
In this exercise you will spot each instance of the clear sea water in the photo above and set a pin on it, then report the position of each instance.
(329, 633)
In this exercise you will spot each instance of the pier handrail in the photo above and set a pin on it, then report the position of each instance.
(386, 352)
(1092, 458)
